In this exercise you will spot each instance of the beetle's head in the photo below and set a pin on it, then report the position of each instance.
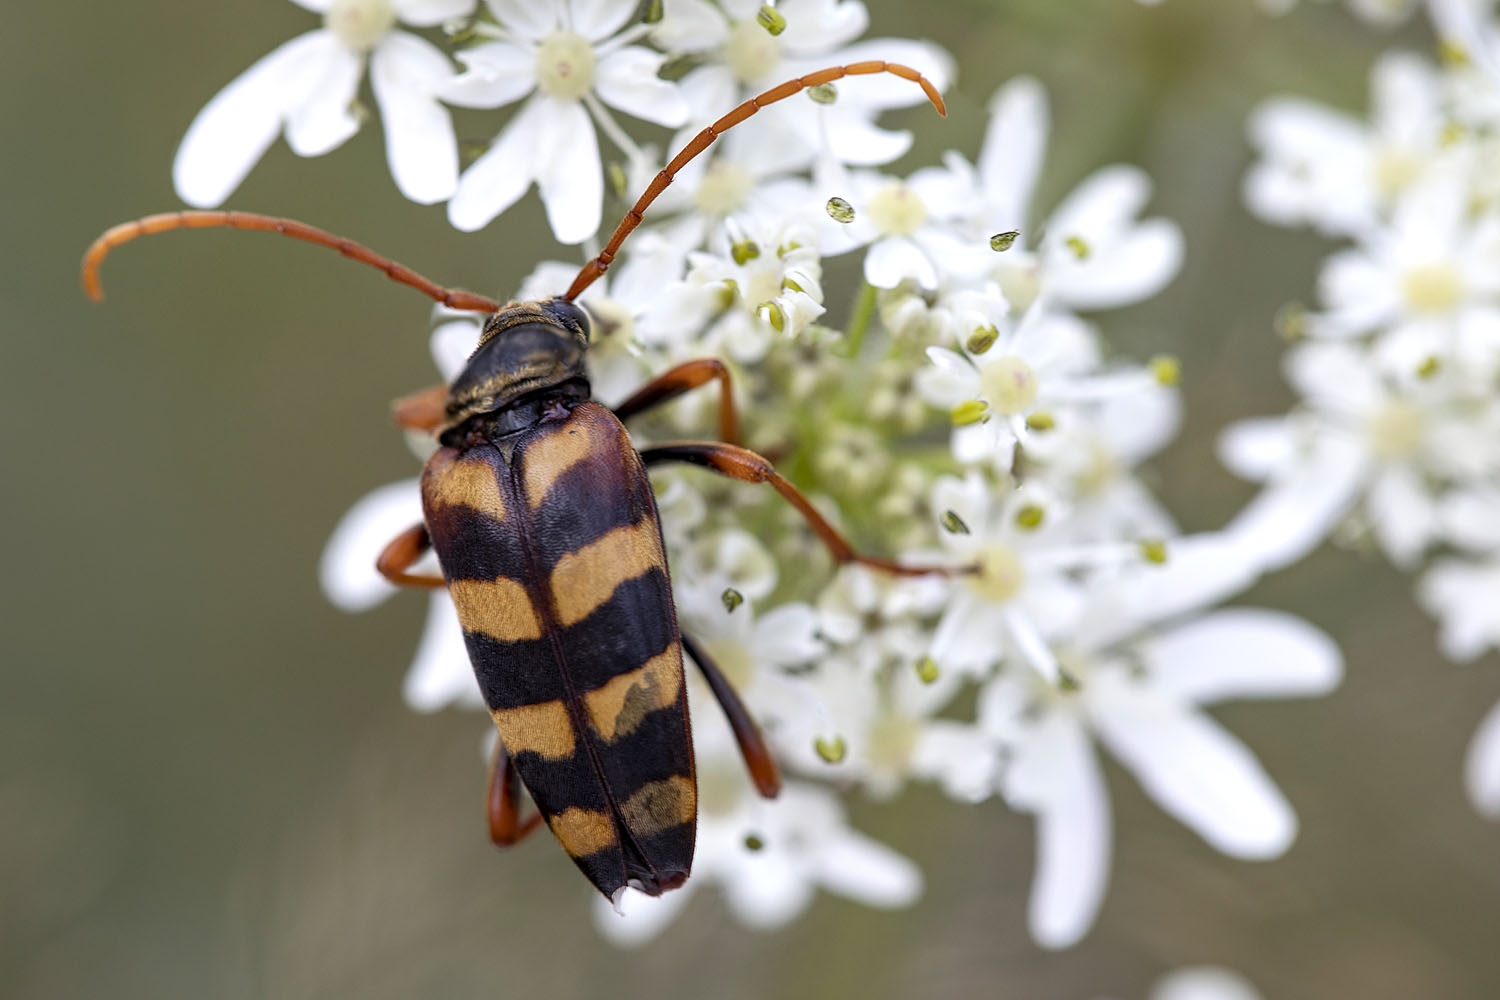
(524, 347)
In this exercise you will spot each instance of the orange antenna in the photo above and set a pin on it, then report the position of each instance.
(152, 224)
(594, 268)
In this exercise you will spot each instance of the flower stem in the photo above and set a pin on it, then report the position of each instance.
(859, 323)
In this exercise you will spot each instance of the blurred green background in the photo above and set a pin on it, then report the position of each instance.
(209, 785)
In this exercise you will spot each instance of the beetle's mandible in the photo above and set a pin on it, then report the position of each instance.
(542, 517)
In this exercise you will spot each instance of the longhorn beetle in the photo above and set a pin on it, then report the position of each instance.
(544, 523)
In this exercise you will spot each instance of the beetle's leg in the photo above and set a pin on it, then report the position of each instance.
(402, 553)
(758, 759)
(503, 804)
(745, 465)
(422, 411)
(674, 382)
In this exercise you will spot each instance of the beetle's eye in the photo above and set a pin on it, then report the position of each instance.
(571, 314)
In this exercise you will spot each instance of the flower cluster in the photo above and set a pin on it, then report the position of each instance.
(965, 414)
(1396, 438)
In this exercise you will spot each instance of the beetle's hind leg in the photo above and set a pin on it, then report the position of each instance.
(503, 803)
(685, 377)
(758, 759)
(747, 466)
(401, 553)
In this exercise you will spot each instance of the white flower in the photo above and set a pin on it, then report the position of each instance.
(1482, 771)
(1360, 437)
(1141, 697)
(746, 59)
(761, 283)
(1327, 168)
(1203, 982)
(307, 88)
(769, 857)
(1093, 252)
(1020, 595)
(1044, 365)
(572, 56)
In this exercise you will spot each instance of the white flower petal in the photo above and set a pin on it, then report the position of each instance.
(1056, 776)
(1015, 143)
(419, 143)
(1132, 267)
(770, 892)
(642, 917)
(1204, 982)
(690, 26)
(1465, 598)
(325, 118)
(893, 258)
(1253, 449)
(496, 180)
(627, 80)
(431, 13)
(1482, 767)
(530, 19)
(236, 127)
(866, 871)
(1194, 768)
(440, 674)
(596, 20)
(452, 343)
(1243, 653)
(347, 568)
(815, 26)
(1296, 510)
(1402, 514)
(568, 175)
(497, 74)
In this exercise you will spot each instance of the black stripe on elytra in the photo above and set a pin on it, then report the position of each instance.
(635, 624)
(556, 785)
(472, 545)
(658, 748)
(589, 499)
(620, 635)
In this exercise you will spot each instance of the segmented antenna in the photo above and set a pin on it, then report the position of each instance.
(594, 268)
(454, 298)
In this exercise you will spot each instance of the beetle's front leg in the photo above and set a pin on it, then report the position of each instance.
(503, 803)
(758, 759)
(401, 553)
(747, 466)
(421, 411)
(687, 376)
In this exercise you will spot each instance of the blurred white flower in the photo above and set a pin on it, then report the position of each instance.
(1482, 770)
(574, 56)
(1141, 694)
(307, 88)
(1203, 982)
(1091, 253)
(744, 59)
(768, 857)
(1327, 168)
(1360, 438)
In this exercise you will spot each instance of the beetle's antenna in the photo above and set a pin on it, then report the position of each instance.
(594, 268)
(454, 298)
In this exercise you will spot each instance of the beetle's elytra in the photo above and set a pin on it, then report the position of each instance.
(542, 518)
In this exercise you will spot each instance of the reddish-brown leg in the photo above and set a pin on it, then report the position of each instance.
(402, 553)
(503, 804)
(763, 769)
(747, 466)
(674, 382)
(422, 411)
